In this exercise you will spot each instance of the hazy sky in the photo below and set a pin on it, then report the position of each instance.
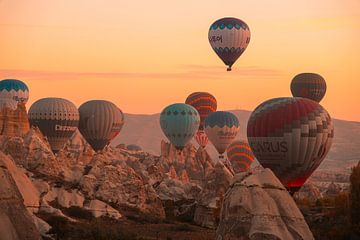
(144, 55)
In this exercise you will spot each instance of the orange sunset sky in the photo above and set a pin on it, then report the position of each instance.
(144, 55)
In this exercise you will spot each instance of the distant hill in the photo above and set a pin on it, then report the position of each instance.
(144, 131)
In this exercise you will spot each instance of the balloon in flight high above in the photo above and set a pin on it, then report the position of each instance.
(291, 136)
(240, 156)
(229, 38)
(14, 89)
(179, 123)
(221, 128)
(100, 122)
(57, 119)
(308, 85)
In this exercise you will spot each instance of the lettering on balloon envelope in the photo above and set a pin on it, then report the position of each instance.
(269, 149)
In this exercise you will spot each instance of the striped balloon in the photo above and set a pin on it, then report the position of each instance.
(308, 85)
(229, 38)
(14, 89)
(240, 156)
(291, 136)
(201, 138)
(221, 128)
(204, 103)
(179, 123)
(100, 122)
(57, 119)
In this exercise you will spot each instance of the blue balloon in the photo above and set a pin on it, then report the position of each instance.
(14, 89)
(179, 123)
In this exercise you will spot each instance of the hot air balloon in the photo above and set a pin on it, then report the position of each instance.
(8, 103)
(204, 103)
(179, 123)
(308, 85)
(229, 38)
(14, 89)
(57, 119)
(201, 138)
(221, 128)
(100, 122)
(240, 156)
(291, 136)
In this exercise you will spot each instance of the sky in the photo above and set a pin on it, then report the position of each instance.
(144, 55)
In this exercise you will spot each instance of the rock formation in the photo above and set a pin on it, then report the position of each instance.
(257, 206)
(16, 222)
(14, 122)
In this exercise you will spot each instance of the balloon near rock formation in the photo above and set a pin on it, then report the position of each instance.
(229, 38)
(201, 138)
(57, 119)
(179, 122)
(14, 89)
(291, 136)
(100, 122)
(221, 128)
(308, 85)
(240, 156)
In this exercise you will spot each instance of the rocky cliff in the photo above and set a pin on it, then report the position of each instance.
(14, 122)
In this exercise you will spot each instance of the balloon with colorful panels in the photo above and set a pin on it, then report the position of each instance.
(179, 122)
(57, 119)
(14, 89)
(100, 122)
(240, 156)
(221, 128)
(308, 85)
(291, 136)
(229, 38)
(201, 138)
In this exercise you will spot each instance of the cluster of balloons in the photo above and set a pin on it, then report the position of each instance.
(289, 135)
(99, 121)
(292, 136)
(197, 118)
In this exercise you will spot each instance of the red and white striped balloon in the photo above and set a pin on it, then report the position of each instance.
(201, 138)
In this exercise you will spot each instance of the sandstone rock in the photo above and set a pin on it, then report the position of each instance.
(14, 122)
(15, 221)
(99, 208)
(216, 183)
(257, 206)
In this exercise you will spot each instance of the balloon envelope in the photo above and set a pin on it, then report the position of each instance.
(221, 128)
(57, 119)
(179, 123)
(100, 122)
(204, 103)
(229, 38)
(14, 89)
(201, 138)
(308, 85)
(291, 136)
(240, 156)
